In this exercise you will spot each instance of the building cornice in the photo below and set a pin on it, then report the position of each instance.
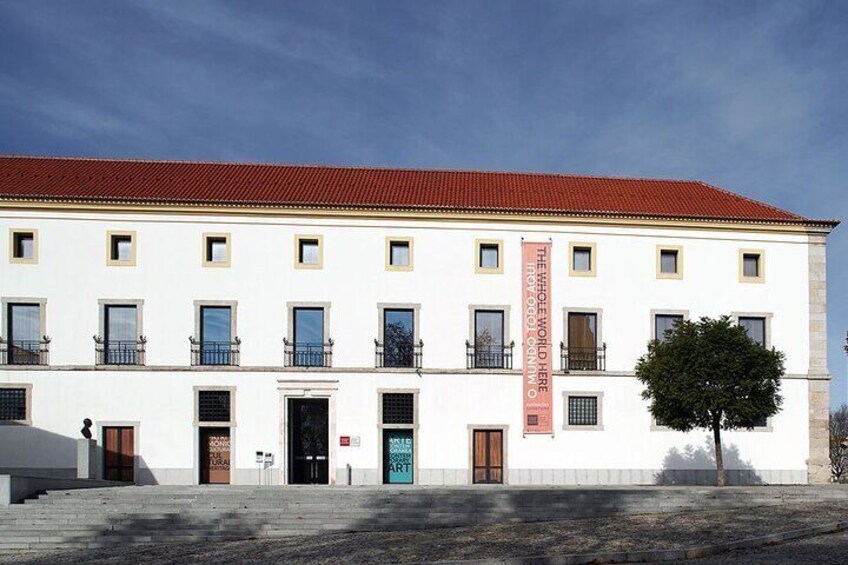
(811, 227)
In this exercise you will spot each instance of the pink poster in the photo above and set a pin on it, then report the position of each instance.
(535, 310)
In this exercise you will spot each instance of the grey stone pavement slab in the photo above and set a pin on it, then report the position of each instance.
(620, 533)
(829, 549)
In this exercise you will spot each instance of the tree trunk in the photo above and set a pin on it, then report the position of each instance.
(718, 455)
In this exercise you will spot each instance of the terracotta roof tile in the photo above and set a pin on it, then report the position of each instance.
(343, 187)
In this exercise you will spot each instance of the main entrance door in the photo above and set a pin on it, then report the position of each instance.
(488, 456)
(309, 441)
(215, 456)
(119, 453)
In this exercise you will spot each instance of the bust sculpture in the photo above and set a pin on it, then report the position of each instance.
(86, 428)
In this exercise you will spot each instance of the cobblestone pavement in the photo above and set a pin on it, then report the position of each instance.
(620, 533)
(830, 549)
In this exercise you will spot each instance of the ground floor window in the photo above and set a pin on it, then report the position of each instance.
(583, 410)
(15, 404)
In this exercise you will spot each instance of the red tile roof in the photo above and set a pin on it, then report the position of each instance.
(112, 180)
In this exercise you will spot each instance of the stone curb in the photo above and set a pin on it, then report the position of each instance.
(659, 554)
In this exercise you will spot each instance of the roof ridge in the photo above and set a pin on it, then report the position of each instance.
(356, 168)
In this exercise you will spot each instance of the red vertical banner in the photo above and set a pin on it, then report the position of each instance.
(536, 318)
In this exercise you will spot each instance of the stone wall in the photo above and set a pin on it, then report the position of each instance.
(818, 464)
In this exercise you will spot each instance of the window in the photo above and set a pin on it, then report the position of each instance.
(488, 256)
(583, 410)
(216, 329)
(399, 338)
(399, 254)
(669, 262)
(583, 259)
(755, 326)
(216, 250)
(664, 323)
(582, 354)
(121, 248)
(398, 408)
(121, 339)
(15, 404)
(751, 265)
(489, 339)
(23, 246)
(308, 337)
(26, 345)
(309, 251)
(214, 406)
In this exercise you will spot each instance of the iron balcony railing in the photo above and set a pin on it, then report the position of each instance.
(25, 352)
(488, 356)
(583, 358)
(398, 354)
(215, 352)
(119, 352)
(308, 354)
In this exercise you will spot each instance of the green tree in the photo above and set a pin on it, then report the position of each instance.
(839, 444)
(710, 375)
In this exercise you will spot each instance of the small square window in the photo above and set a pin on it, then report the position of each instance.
(751, 267)
(582, 259)
(583, 411)
(121, 248)
(23, 246)
(213, 406)
(308, 251)
(216, 250)
(398, 408)
(15, 404)
(399, 254)
(488, 256)
(669, 262)
(582, 262)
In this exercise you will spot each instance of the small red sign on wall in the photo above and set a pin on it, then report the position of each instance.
(344, 440)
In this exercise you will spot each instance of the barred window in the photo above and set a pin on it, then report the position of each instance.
(582, 410)
(398, 408)
(12, 404)
(213, 405)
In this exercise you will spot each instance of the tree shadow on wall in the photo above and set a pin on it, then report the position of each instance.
(697, 466)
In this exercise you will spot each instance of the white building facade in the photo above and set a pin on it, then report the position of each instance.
(374, 344)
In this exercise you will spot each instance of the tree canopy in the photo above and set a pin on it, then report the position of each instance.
(710, 375)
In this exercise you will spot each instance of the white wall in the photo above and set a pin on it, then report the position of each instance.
(72, 275)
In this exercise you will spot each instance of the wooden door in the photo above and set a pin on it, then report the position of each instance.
(215, 456)
(119, 453)
(488, 456)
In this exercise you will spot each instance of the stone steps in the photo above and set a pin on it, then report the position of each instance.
(146, 515)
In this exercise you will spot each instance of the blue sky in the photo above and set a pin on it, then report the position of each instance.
(747, 95)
